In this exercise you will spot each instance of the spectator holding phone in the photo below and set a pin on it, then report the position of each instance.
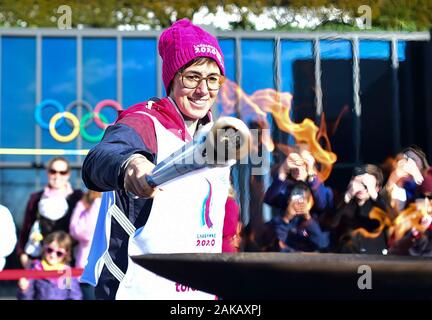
(299, 166)
(402, 186)
(297, 229)
(354, 229)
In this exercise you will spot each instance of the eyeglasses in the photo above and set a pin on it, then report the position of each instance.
(192, 80)
(63, 173)
(59, 252)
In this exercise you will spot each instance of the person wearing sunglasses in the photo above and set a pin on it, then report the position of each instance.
(47, 210)
(56, 256)
(187, 215)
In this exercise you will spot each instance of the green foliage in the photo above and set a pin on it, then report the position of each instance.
(408, 15)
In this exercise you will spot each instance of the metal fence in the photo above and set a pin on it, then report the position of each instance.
(254, 60)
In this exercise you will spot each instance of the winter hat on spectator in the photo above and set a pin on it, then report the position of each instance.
(182, 43)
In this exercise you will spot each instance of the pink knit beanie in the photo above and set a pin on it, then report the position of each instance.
(183, 42)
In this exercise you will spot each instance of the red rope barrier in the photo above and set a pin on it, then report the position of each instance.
(16, 274)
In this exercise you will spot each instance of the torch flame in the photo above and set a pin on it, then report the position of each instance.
(383, 219)
(411, 218)
(265, 101)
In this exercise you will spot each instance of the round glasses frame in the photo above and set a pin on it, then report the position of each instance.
(192, 84)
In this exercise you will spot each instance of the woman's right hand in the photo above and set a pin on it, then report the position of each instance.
(135, 177)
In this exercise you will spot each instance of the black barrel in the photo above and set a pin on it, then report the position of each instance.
(296, 275)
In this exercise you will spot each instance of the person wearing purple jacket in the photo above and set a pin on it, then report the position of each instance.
(56, 256)
(299, 166)
(297, 229)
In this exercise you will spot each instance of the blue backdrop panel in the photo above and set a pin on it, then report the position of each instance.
(292, 51)
(17, 125)
(99, 76)
(18, 74)
(229, 52)
(59, 63)
(228, 49)
(139, 70)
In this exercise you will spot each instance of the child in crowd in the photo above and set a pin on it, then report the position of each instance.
(298, 228)
(56, 255)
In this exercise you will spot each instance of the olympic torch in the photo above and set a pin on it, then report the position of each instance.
(214, 145)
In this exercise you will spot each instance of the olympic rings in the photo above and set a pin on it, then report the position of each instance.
(98, 108)
(75, 122)
(77, 125)
(38, 112)
(84, 133)
(77, 103)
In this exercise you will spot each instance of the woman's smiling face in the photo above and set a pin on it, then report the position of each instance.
(195, 103)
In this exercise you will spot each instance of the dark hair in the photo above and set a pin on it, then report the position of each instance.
(197, 61)
(52, 160)
(64, 241)
(416, 151)
(370, 169)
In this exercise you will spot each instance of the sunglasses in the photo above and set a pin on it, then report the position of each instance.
(63, 173)
(59, 252)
